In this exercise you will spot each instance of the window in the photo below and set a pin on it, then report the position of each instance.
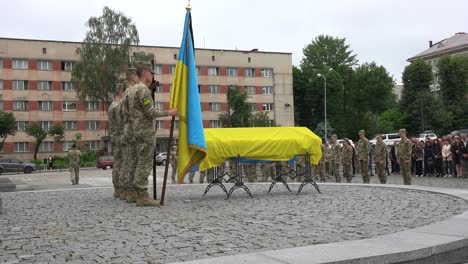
(250, 90)
(215, 124)
(231, 71)
(68, 106)
(92, 106)
(213, 71)
(267, 73)
(249, 72)
(267, 107)
(1, 105)
(1, 64)
(176, 124)
(20, 64)
(21, 146)
(213, 58)
(158, 89)
(46, 147)
(172, 69)
(253, 107)
(20, 85)
(267, 90)
(70, 125)
(44, 50)
(20, 105)
(159, 106)
(93, 144)
(46, 125)
(92, 125)
(44, 85)
(157, 69)
(67, 66)
(216, 107)
(44, 65)
(68, 86)
(45, 105)
(213, 89)
(198, 70)
(21, 125)
(67, 145)
(160, 124)
(1, 84)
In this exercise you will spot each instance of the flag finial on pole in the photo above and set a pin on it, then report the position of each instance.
(188, 7)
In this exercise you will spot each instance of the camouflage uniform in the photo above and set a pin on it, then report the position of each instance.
(74, 157)
(174, 161)
(363, 149)
(321, 165)
(250, 170)
(129, 147)
(335, 161)
(143, 115)
(404, 151)
(326, 153)
(268, 170)
(300, 167)
(116, 132)
(380, 158)
(347, 159)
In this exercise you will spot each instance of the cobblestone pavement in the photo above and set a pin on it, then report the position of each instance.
(88, 226)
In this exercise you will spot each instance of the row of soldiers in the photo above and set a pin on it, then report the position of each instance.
(132, 132)
(335, 154)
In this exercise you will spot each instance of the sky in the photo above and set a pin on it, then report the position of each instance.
(385, 31)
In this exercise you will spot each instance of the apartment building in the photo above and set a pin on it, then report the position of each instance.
(35, 84)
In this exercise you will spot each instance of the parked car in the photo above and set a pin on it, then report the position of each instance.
(388, 139)
(161, 158)
(105, 162)
(427, 134)
(15, 165)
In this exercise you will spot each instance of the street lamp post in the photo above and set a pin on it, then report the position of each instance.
(325, 99)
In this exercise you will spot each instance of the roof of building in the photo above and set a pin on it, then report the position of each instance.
(150, 46)
(456, 43)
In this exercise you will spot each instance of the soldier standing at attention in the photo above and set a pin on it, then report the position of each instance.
(174, 161)
(326, 152)
(143, 115)
(335, 159)
(115, 133)
(380, 157)
(321, 165)
(74, 157)
(404, 151)
(347, 157)
(127, 191)
(363, 150)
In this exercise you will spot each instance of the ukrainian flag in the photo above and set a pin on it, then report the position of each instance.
(185, 97)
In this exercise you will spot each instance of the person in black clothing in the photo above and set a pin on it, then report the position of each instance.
(428, 159)
(393, 159)
(437, 148)
(418, 156)
(456, 154)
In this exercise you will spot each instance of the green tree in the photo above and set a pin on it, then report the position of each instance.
(35, 130)
(239, 110)
(7, 127)
(103, 54)
(415, 97)
(391, 120)
(453, 73)
(261, 119)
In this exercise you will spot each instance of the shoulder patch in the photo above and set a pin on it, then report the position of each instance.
(146, 102)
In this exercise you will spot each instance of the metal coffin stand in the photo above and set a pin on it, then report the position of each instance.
(307, 175)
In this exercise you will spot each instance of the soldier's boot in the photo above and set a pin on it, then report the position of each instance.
(116, 192)
(132, 197)
(144, 200)
(123, 194)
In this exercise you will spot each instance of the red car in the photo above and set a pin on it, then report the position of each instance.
(105, 162)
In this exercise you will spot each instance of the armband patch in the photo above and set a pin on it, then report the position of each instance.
(147, 102)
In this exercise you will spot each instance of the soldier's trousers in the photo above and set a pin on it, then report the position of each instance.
(268, 170)
(202, 176)
(250, 170)
(145, 150)
(75, 173)
(347, 172)
(327, 169)
(191, 176)
(129, 167)
(364, 167)
(405, 171)
(174, 172)
(117, 168)
(321, 168)
(380, 170)
(335, 170)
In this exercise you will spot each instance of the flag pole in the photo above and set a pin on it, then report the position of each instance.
(169, 149)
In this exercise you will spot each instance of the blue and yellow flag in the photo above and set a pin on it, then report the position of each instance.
(185, 97)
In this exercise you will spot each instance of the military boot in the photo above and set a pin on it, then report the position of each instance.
(144, 200)
(132, 197)
(123, 194)
(116, 192)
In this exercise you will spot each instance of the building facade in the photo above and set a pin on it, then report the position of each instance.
(35, 84)
(454, 46)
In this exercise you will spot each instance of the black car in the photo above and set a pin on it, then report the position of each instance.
(15, 165)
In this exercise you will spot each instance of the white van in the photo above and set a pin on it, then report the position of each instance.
(388, 139)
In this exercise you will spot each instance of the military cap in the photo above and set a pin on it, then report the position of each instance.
(144, 65)
(379, 135)
(334, 135)
(402, 130)
(346, 140)
(362, 131)
(130, 70)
